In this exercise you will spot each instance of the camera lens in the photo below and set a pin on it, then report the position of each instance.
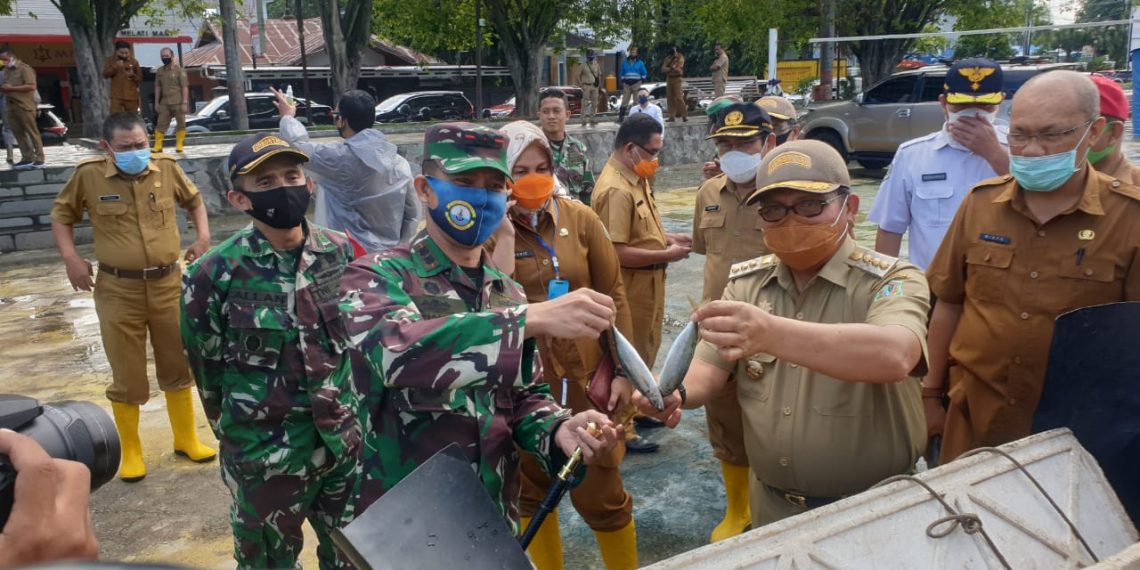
(79, 431)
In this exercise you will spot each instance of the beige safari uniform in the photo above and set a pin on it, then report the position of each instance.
(725, 231)
(720, 75)
(21, 111)
(589, 76)
(135, 228)
(171, 79)
(811, 438)
(625, 204)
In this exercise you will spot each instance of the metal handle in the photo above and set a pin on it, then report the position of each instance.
(903, 113)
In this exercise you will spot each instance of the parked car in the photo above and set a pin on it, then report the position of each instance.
(52, 129)
(506, 109)
(425, 106)
(897, 109)
(215, 116)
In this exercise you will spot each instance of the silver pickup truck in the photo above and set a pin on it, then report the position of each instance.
(905, 105)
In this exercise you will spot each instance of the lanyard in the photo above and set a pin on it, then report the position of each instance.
(549, 249)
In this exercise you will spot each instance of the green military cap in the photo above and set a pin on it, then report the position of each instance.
(740, 120)
(460, 147)
(805, 165)
(720, 103)
(778, 107)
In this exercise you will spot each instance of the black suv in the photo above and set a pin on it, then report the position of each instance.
(425, 106)
(215, 116)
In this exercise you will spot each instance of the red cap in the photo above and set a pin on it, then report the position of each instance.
(1113, 103)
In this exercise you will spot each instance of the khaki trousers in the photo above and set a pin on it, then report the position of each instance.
(645, 291)
(589, 104)
(675, 94)
(23, 126)
(718, 87)
(628, 93)
(167, 112)
(124, 105)
(726, 426)
(127, 310)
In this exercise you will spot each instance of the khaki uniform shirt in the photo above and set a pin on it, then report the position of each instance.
(1126, 172)
(21, 74)
(674, 66)
(171, 79)
(721, 71)
(1013, 277)
(811, 434)
(588, 74)
(125, 80)
(625, 204)
(725, 231)
(132, 216)
(586, 258)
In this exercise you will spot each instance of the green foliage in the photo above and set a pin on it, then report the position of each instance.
(997, 14)
(437, 27)
(288, 8)
(805, 85)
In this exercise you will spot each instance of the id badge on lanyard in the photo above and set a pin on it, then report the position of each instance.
(556, 287)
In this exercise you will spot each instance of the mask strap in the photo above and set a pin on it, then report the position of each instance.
(842, 206)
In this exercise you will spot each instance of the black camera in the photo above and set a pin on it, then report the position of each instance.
(79, 431)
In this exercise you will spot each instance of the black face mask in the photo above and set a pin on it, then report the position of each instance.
(123, 57)
(167, 60)
(282, 208)
(783, 138)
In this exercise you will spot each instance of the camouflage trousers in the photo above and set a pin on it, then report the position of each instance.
(271, 504)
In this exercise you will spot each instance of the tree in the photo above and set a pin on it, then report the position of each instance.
(878, 58)
(347, 26)
(235, 79)
(995, 14)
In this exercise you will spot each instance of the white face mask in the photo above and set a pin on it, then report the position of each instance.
(740, 166)
(975, 112)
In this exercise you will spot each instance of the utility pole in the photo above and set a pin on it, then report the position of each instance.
(478, 59)
(304, 61)
(827, 51)
(1028, 24)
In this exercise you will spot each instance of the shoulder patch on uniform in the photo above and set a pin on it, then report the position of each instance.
(996, 182)
(871, 261)
(752, 265)
(892, 288)
(1124, 188)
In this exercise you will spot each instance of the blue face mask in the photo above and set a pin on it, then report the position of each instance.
(133, 161)
(643, 100)
(1046, 173)
(467, 215)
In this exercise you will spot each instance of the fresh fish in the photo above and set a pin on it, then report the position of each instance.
(636, 370)
(677, 360)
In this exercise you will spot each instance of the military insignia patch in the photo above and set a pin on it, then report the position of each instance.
(269, 141)
(734, 118)
(789, 159)
(893, 288)
(976, 75)
(460, 215)
(1086, 235)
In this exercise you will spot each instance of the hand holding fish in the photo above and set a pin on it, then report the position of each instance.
(670, 414)
(738, 330)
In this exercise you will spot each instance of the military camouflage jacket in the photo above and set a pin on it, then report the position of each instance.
(572, 167)
(256, 328)
(442, 372)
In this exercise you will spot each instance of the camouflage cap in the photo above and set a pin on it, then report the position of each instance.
(720, 103)
(460, 147)
(806, 165)
(778, 107)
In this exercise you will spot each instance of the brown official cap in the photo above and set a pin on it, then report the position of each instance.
(778, 107)
(805, 165)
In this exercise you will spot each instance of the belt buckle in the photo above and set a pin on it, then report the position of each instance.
(797, 500)
(147, 271)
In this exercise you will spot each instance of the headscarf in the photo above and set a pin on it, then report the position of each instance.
(522, 134)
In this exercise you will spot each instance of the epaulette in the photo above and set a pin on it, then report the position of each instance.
(871, 261)
(1124, 188)
(91, 160)
(751, 266)
(162, 156)
(917, 140)
(992, 182)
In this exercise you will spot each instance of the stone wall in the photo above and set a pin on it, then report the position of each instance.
(26, 197)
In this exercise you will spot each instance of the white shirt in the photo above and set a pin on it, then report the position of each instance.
(927, 181)
(650, 109)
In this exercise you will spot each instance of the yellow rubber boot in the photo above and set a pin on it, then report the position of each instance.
(738, 511)
(545, 550)
(131, 468)
(180, 408)
(179, 138)
(157, 142)
(619, 548)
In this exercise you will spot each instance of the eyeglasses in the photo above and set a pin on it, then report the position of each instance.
(652, 153)
(1018, 140)
(335, 115)
(724, 146)
(803, 208)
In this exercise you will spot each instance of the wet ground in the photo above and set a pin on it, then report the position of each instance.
(50, 350)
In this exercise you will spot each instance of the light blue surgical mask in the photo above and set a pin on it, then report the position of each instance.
(133, 161)
(1046, 173)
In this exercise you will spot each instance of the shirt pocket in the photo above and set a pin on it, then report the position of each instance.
(255, 337)
(111, 215)
(755, 377)
(835, 398)
(161, 214)
(1093, 282)
(932, 204)
(987, 272)
(712, 230)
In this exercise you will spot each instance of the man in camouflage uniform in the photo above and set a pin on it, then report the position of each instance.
(448, 340)
(571, 159)
(256, 318)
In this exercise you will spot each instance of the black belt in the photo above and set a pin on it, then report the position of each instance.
(654, 267)
(147, 274)
(803, 501)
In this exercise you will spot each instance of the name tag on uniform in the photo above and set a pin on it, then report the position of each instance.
(524, 254)
(995, 238)
(110, 198)
(934, 177)
(713, 208)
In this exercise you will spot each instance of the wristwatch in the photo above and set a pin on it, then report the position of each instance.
(933, 393)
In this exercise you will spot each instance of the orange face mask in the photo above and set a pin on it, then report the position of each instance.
(805, 246)
(646, 168)
(533, 190)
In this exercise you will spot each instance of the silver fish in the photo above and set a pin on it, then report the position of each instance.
(636, 370)
(677, 360)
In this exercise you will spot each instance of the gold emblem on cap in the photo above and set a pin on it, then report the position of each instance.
(792, 158)
(767, 103)
(976, 75)
(734, 118)
(1086, 235)
(268, 141)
